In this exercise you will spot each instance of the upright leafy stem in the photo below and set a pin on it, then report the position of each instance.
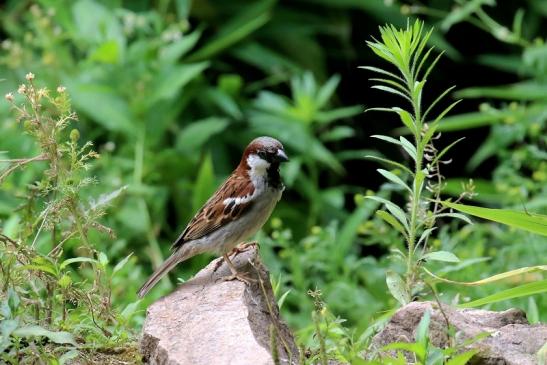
(406, 50)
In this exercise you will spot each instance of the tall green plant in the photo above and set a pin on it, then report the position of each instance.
(422, 183)
(406, 50)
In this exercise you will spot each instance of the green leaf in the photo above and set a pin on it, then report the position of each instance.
(390, 162)
(104, 105)
(391, 220)
(394, 178)
(525, 290)
(192, 137)
(37, 331)
(461, 359)
(75, 259)
(444, 256)
(397, 287)
(535, 223)
(103, 259)
(408, 147)
(172, 79)
(282, 299)
(454, 215)
(461, 13)
(422, 334)
(174, 51)
(327, 91)
(393, 209)
(525, 90)
(205, 183)
(491, 279)
(121, 264)
(234, 30)
(407, 119)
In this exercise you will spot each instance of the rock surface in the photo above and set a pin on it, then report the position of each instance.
(512, 340)
(211, 321)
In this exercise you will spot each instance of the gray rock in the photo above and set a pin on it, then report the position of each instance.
(511, 341)
(211, 321)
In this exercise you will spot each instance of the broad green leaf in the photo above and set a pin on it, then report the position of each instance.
(535, 223)
(525, 290)
(75, 259)
(104, 105)
(7, 326)
(205, 183)
(441, 256)
(37, 331)
(397, 287)
(96, 23)
(491, 279)
(172, 79)
(192, 137)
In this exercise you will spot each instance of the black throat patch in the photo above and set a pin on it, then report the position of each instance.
(274, 179)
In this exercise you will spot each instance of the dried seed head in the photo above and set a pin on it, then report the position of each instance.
(29, 76)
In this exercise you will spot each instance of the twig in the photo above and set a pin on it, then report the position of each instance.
(20, 162)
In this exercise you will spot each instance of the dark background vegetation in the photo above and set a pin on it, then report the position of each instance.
(171, 142)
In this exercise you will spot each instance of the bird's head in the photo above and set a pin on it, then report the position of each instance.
(262, 153)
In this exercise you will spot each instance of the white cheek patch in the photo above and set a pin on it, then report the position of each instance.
(258, 165)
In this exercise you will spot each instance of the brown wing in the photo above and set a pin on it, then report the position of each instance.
(215, 214)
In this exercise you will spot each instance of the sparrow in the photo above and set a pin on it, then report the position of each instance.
(235, 212)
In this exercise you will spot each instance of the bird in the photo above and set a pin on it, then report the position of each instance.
(235, 212)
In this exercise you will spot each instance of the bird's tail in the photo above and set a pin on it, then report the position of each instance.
(172, 261)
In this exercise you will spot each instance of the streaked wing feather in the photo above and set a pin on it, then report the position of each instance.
(214, 213)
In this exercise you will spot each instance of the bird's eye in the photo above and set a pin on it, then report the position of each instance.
(262, 155)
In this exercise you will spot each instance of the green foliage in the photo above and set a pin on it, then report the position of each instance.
(171, 91)
(51, 308)
(406, 50)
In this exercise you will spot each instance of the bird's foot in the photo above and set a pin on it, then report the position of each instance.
(244, 278)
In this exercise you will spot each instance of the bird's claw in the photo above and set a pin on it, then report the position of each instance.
(240, 277)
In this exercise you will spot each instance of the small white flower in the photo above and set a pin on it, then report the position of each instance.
(9, 97)
(29, 76)
(61, 89)
(22, 89)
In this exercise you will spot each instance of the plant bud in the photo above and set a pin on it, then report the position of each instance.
(74, 135)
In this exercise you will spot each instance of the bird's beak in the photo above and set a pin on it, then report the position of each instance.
(281, 156)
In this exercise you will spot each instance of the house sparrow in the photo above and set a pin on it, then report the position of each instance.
(237, 210)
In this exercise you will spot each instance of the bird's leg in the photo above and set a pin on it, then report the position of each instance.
(235, 274)
(235, 251)
(242, 247)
